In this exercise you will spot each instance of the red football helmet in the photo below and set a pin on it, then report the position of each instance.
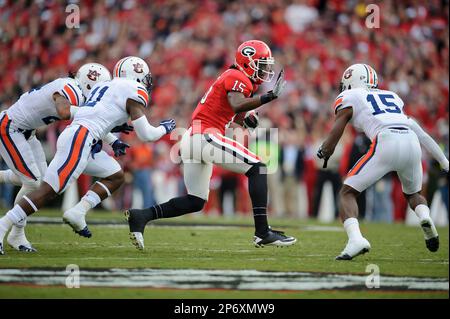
(254, 58)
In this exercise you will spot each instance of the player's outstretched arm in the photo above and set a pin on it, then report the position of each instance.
(343, 116)
(240, 103)
(144, 130)
(429, 144)
(63, 107)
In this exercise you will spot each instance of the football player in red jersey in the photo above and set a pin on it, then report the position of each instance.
(205, 144)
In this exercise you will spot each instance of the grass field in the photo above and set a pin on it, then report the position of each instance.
(397, 250)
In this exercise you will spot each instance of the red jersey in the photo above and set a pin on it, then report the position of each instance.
(214, 111)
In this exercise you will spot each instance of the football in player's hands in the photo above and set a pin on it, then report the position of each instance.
(251, 120)
(169, 125)
(279, 84)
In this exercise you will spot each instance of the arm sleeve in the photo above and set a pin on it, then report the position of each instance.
(146, 132)
(429, 144)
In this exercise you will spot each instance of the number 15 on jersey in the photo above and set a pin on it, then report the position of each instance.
(384, 104)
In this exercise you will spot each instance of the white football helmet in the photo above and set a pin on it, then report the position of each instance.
(90, 74)
(357, 76)
(136, 69)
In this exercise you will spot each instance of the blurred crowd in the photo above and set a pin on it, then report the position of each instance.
(188, 43)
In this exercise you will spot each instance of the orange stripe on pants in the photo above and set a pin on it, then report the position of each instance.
(64, 175)
(15, 156)
(363, 159)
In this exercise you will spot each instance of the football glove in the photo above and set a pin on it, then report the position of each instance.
(124, 128)
(279, 84)
(169, 125)
(96, 148)
(321, 155)
(277, 89)
(119, 148)
(251, 120)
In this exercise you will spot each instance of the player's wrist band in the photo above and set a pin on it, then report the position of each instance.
(266, 98)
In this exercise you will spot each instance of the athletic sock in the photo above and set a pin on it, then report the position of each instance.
(351, 226)
(173, 208)
(16, 215)
(5, 225)
(89, 201)
(257, 188)
(13, 216)
(422, 211)
(260, 218)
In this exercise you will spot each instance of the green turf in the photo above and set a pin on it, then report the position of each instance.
(19, 292)
(396, 249)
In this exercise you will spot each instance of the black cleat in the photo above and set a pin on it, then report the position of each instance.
(348, 257)
(432, 244)
(354, 248)
(275, 238)
(26, 249)
(136, 220)
(431, 235)
(85, 232)
(2, 252)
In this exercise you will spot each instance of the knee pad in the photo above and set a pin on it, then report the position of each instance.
(196, 203)
(256, 169)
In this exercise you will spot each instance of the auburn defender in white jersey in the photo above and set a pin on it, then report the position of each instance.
(21, 150)
(109, 105)
(396, 141)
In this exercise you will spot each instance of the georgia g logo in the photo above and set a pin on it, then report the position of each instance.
(348, 73)
(93, 75)
(138, 67)
(248, 51)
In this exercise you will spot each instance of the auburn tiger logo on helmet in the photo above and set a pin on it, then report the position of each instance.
(93, 75)
(90, 74)
(359, 75)
(136, 69)
(348, 73)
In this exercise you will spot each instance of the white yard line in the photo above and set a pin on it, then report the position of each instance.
(219, 279)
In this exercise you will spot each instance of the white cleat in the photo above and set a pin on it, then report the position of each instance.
(430, 234)
(354, 248)
(17, 240)
(77, 221)
(2, 236)
(137, 239)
